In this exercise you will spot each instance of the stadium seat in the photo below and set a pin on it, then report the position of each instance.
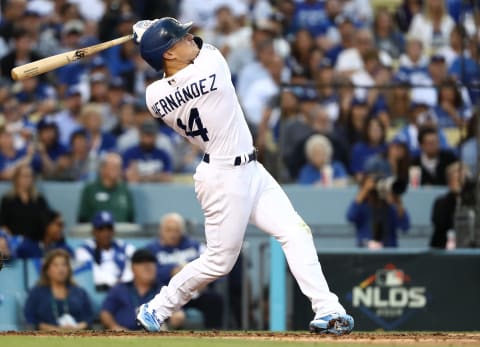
(9, 311)
(83, 276)
(32, 271)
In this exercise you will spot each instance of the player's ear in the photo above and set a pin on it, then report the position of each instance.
(168, 55)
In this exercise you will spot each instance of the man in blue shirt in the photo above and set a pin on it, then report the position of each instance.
(173, 249)
(48, 148)
(145, 162)
(118, 309)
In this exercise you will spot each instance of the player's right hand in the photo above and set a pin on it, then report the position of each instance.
(140, 27)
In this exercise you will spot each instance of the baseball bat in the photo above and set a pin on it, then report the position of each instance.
(41, 66)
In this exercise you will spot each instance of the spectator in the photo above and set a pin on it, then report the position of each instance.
(450, 109)
(52, 238)
(144, 162)
(387, 38)
(432, 160)
(377, 215)
(173, 250)
(350, 60)
(346, 29)
(320, 169)
(328, 97)
(261, 91)
(302, 47)
(56, 302)
(413, 62)
(310, 15)
(433, 26)
(372, 143)
(444, 207)
(257, 69)
(68, 119)
(11, 158)
(12, 11)
(107, 192)
(21, 208)
(420, 116)
(100, 141)
(395, 161)
(75, 165)
(126, 117)
(109, 257)
(230, 36)
(352, 128)
(118, 309)
(22, 52)
(468, 146)
(48, 148)
(406, 12)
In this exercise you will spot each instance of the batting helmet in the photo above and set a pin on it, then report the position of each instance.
(159, 37)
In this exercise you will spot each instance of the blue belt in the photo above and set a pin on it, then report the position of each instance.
(238, 160)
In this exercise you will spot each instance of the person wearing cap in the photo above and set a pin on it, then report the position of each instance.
(145, 162)
(107, 192)
(48, 148)
(377, 216)
(68, 118)
(109, 257)
(118, 308)
(420, 115)
(173, 249)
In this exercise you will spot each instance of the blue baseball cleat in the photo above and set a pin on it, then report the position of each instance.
(335, 323)
(148, 319)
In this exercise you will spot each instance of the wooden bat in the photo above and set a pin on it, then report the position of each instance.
(41, 66)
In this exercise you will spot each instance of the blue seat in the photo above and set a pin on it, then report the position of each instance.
(32, 271)
(9, 311)
(83, 276)
(12, 277)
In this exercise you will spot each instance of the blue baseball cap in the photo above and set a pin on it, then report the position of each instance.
(102, 219)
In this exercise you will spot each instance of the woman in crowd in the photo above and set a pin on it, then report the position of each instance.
(52, 238)
(320, 169)
(372, 143)
(450, 110)
(21, 208)
(56, 302)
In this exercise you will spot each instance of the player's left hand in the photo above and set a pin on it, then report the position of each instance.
(139, 29)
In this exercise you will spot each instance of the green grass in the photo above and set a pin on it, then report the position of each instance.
(196, 341)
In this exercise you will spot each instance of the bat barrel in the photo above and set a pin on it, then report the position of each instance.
(47, 64)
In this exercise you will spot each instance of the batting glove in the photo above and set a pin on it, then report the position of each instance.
(139, 29)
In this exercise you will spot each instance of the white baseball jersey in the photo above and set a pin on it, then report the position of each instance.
(215, 123)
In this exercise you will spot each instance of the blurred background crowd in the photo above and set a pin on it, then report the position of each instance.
(382, 94)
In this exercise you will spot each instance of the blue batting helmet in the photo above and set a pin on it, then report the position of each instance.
(159, 37)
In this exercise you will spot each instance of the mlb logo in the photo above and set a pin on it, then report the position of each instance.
(389, 277)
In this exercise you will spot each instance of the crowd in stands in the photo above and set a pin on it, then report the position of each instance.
(336, 93)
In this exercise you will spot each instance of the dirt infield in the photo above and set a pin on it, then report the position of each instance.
(394, 339)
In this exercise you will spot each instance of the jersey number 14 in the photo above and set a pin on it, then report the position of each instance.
(194, 121)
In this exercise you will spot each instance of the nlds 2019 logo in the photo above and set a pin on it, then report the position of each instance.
(388, 297)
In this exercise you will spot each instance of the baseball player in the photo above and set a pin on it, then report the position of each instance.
(197, 99)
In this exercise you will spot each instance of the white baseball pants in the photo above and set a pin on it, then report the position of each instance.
(231, 197)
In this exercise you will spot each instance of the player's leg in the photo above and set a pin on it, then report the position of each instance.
(226, 207)
(275, 214)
